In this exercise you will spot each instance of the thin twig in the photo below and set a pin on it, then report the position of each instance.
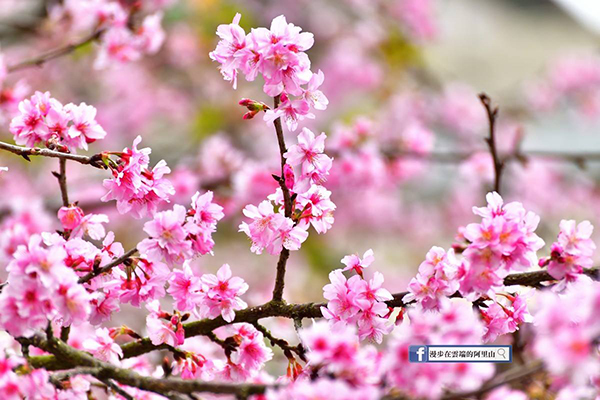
(62, 181)
(115, 388)
(512, 375)
(457, 157)
(91, 275)
(55, 53)
(492, 113)
(287, 201)
(287, 348)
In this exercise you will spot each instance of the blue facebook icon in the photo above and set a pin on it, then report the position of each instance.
(417, 354)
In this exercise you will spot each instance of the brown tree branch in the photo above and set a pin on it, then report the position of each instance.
(512, 375)
(25, 152)
(287, 348)
(55, 53)
(287, 201)
(279, 309)
(62, 181)
(492, 113)
(104, 371)
(91, 275)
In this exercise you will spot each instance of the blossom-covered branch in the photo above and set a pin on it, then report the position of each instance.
(291, 311)
(103, 370)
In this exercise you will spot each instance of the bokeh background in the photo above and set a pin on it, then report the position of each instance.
(402, 78)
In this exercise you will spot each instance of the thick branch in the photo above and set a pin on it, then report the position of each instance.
(279, 309)
(56, 53)
(492, 113)
(104, 371)
(25, 152)
(287, 200)
(91, 275)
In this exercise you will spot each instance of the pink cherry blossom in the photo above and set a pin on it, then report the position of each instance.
(356, 264)
(221, 294)
(290, 111)
(251, 353)
(70, 217)
(436, 279)
(137, 189)
(315, 97)
(185, 288)
(308, 154)
(103, 346)
(167, 237)
(84, 128)
(233, 39)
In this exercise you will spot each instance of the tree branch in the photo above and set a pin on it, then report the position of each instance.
(492, 113)
(55, 53)
(287, 201)
(278, 309)
(282, 343)
(512, 375)
(91, 275)
(104, 371)
(62, 181)
(25, 152)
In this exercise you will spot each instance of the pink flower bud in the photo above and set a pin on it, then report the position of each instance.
(288, 176)
(70, 217)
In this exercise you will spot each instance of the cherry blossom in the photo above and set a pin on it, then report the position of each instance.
(356, 264)
(167, 237)
(220, 294)
(137, 189)
(103, 346)
(45, 119)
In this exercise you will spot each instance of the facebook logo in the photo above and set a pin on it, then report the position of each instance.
(417, 354)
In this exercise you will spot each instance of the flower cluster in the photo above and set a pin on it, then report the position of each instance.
(137, 189)
(122, 38)
(502, 242)
(571, 252)
(77, 224)
(209, 296)
(102, 346)
(135, 282)
(278, 54)
(43, 119)
(40, 288)
(176, 235)
(573, 79)
(163, 327)
(436, 279)
(10, 95)
(250, 354)
(504, 315)
(569, 324)
(35, 384)
(457, 324)
(304, 172)
(358, 301)
(340, 356)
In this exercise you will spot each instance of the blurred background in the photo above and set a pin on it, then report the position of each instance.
(402, 78)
